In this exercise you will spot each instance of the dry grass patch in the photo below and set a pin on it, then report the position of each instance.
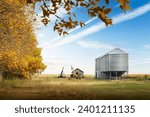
(51, 87)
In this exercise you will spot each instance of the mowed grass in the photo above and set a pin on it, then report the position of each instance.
(49, 87)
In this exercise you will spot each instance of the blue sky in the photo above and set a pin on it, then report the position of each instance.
(130, 31)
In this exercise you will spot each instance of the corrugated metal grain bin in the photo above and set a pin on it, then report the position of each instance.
(112, 65)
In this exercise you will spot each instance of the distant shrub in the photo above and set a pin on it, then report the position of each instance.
(146, 76)
(138, 76)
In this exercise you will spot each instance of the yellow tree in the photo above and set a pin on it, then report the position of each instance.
(18, 43)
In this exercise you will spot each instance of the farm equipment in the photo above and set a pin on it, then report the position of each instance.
(62, 75)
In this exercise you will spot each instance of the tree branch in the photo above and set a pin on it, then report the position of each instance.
(44, 3)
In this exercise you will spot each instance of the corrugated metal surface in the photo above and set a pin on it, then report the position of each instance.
(114, 62)
(118, 62)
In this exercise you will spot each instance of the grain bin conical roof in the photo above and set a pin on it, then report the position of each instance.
(117, 51)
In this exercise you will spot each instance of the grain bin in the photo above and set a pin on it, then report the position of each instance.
(112, 65)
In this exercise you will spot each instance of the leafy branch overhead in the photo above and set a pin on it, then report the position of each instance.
(94, 8)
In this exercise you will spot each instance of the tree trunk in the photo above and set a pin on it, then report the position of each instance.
(1, 75)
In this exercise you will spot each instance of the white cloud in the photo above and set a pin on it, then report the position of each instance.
(118, 5)
(140, 61)
(100, 26)
(131, 15)
(139, 66)
(147, 46)
(94, 45)
(78, 27)
(79, 35)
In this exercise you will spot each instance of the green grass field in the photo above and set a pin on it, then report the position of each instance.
(50, 87)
